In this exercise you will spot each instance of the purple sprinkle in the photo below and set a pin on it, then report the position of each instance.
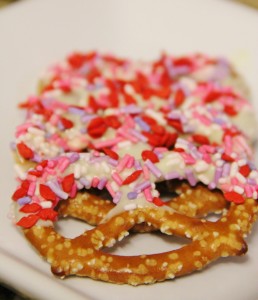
(60, 126)
(83, 130)
(79, 185)
(154, 170)
(85, 182)
(132, 195)
(143, 125)
(212, 185)
(24, 200)
(87, 118)
(102, 183)
(190, 177)
(76, 111)
(36, 158)
(74, 157)
(112, 162)
(117, 197)
(171, 175)
(137, 165)
(251, 181)
(54, 186)
(218, 121)
(138, 135)
(226, 170)
(131, 109)
(142, 186)
(218, 174)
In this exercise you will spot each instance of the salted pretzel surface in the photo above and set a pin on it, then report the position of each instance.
(144, 126)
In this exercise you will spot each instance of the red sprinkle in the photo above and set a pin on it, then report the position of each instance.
(111, 153)
(234, 197)
(66, 123)
(131, 178)
(47, 214)
(46, 192)
(200, 139)
(25, 151)
(230, 110)
(157, 201)
(31, 208)
(179, 98)
(245, 170)
(112, 121)
(97, 127)
(176, 124)
(21, 192)
(28, 221)
(212, 96)
(226, 157)
(148, 154)
(67, 183)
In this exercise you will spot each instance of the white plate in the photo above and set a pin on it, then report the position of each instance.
(36, 33)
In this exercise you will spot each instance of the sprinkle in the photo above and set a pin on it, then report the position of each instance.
(190, 177)
(110, 189)
(132, 195)
(25, 151)
(117, 197)
(148, 154)
(28, 221)
(46, 192)
(102, 183)
(117, 178)
(67, 183)
(238, 189)
(54, 186)
(85, 182)
(23, 200)
(123, 162)
(130, 206)
(157, 201)
(107, 143)
(154, 170)
(30, 208)
(234, 197)
(95, 182)
(147, 194)
(31, 189)
(172, 175)
(132, 177)
(143, 125)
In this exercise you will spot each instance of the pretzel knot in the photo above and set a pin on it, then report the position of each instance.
(82, 256)
(175, 125)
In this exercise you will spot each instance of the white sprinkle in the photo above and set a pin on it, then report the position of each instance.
(241, 178)
(46, 204)
(201, 166)
(238, 189)
(233, 169)
(130, 206)
(77, 171)
(36, 131)
(156, 115)
(19, 171)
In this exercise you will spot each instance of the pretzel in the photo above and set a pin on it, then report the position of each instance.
(190, 139)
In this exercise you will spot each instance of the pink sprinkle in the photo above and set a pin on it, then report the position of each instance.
(228, 144)
(248, 191)
(31, 189)
(117, 178)
(123, 162)
(147, 194)
(107, 143)
(127, 135)
(96, 153)
(226, 187)
(234, 181)
(95, 182)
(31, 177)
(73, 190)
(146, 172)
(130, 163)
(202, 118)
(189, 160)
(64, 163)
(54, 120)
(110, 189)
(206, 157)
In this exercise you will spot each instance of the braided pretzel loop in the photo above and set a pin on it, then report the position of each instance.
(82, 255)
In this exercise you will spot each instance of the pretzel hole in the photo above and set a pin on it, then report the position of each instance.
(148, 243)
(71, 227)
